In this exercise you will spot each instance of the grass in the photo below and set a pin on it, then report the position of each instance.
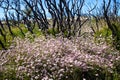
(103, 35)
(17, 33)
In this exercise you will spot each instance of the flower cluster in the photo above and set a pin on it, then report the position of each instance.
(56, 58)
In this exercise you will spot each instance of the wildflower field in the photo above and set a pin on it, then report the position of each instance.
(59, 39)
(59, 58)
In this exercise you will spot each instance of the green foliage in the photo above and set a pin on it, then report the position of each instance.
(8, 41)
(9, 37)
(17, 33)
(103, 35)
(77, 74)
(52, 32)
(116, 35)
(9, 74)
(10, 71)
(37, 31)
(95, 73)
(104, 32)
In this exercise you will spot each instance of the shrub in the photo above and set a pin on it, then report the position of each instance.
(59, 59)
(103, 35)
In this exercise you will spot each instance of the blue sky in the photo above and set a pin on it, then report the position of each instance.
(1, 13)
(88, 2)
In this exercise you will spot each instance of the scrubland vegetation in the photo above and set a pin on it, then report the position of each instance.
(74, 44)
(60, 59)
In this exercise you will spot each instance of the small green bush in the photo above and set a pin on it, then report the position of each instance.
(103, 35)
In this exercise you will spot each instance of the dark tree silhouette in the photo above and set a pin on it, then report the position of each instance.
(110, 20)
